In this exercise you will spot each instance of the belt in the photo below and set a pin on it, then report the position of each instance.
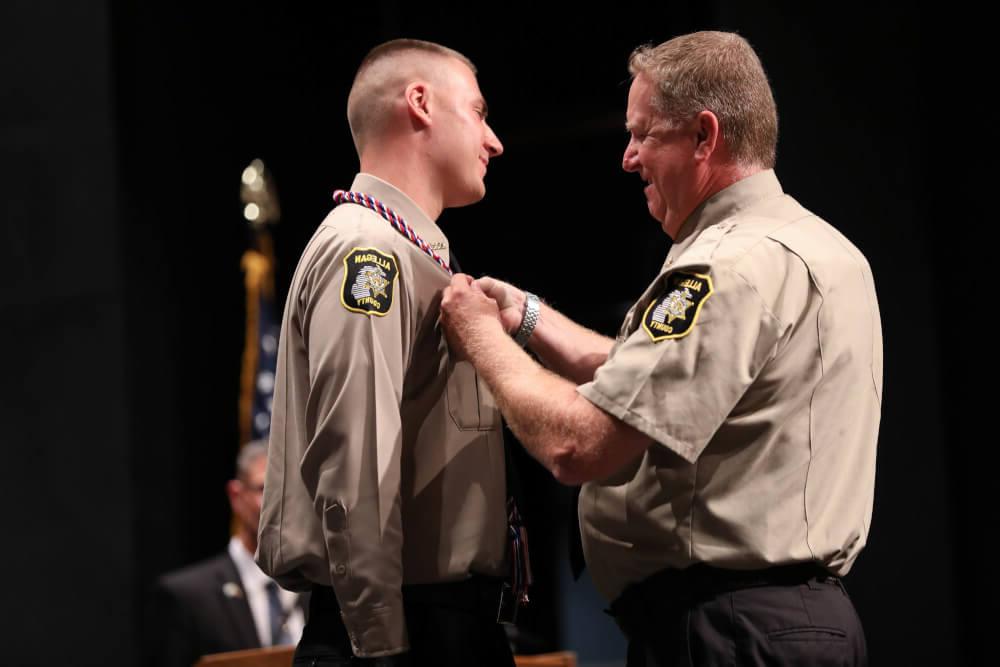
(489, 597)
(673, 589)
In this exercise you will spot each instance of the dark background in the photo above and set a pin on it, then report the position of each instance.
(124, 127)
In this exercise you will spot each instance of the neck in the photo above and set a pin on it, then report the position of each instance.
(708, 184)
(247, 540)
(403, 167)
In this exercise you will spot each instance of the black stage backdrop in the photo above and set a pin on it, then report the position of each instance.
(124, 127)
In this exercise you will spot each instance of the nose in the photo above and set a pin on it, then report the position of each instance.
(492, 143)
(630, 161)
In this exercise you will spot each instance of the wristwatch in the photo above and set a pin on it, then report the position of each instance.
(529, 319)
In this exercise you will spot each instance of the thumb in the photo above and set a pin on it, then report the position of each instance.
(492, 287)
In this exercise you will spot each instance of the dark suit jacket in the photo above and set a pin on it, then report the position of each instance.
(198, 610)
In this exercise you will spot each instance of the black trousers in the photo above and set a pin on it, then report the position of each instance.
(449, 625)
(782, 617)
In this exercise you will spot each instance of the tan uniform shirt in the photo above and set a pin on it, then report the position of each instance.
(386, 462)
(754, 361)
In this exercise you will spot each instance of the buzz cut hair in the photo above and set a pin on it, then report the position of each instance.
(382, 74)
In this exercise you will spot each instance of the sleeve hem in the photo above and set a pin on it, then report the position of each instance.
(376, 632)
(685, 450)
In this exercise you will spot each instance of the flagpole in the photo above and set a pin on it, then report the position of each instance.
(260, 210)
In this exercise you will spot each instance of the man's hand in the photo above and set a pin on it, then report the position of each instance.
(467, 314)
(509, 299)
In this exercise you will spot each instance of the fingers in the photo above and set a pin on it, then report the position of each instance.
(459, 283)
(487, 284)
(455, 294)
(494, 289)
(463, 287)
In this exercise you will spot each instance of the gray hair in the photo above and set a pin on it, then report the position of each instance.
(721, 73)
(249, 453)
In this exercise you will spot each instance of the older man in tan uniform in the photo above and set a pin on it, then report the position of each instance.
(728, 433)
(385, 491)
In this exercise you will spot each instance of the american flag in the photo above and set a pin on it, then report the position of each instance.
(260, 347)
(267, 355)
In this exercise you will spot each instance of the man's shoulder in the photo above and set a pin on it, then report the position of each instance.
(749, 244)
(756, 226)
(196, 575)
(783, 247)
(351, 225)
(347, 229)
(774, 230)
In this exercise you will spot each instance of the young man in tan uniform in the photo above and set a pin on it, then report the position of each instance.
(727, 435)
(385, 492)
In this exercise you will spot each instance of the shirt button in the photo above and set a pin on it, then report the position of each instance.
(340, 568)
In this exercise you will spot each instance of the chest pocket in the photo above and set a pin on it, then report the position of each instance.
(470, 403)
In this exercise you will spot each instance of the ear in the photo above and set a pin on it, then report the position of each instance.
(417, 96)
(233, 488)
(707, 134)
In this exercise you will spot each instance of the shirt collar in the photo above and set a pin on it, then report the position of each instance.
(399, 202)
(725, 203)
(250, 574)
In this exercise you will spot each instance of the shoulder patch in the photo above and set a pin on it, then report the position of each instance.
(674, 313)
(369, 279)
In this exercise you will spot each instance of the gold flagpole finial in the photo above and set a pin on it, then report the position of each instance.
(257, 192)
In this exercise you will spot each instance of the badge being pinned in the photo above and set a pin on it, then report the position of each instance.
(369, 278)
(673, 315)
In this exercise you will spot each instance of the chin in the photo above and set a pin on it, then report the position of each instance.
(475, 194)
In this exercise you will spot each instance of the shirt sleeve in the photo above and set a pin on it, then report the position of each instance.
(679, 390)
(356, 334)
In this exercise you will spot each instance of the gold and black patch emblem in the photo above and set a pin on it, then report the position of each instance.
(369, 278)
(674, 313)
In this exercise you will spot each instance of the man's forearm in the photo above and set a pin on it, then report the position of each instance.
(558, 426)
(574, 439)
(526, 393)
(569, 349)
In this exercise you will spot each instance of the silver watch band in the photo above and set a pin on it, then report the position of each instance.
(529, 319)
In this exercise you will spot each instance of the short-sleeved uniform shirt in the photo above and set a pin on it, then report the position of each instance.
(754, 362)
(386, 462)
